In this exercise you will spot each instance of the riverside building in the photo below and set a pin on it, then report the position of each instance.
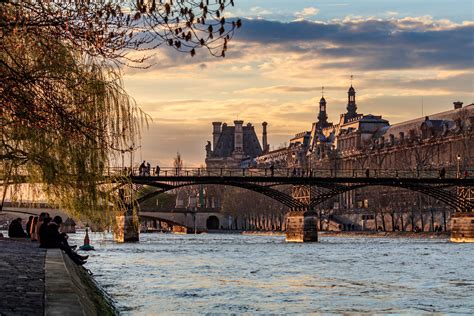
(365, 142)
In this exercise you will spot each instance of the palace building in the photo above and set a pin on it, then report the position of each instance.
(362, 142)
(234, 146)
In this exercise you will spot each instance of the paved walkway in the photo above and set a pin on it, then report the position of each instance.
(22, 277)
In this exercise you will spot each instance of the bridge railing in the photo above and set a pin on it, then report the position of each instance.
(291, 172)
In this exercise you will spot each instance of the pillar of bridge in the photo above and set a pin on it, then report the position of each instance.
(127, 228)
(301, 226)
(462, 227)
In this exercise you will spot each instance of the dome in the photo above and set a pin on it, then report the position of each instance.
(323, 100)
(351, 89)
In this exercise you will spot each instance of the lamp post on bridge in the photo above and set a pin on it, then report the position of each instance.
(458, 166)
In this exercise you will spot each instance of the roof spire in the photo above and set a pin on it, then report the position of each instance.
(322, 91)
(352, 78)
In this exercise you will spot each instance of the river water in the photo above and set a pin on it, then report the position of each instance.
(225, 273)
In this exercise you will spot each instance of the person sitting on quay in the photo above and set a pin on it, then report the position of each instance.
(41, 218)
(52, 238)
(28, 226)
(15, 230)
(42, 225)
(33, 235)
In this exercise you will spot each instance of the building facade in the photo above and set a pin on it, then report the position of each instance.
(366, 142)
(234, 146)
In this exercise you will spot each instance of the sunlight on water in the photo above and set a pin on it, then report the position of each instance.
(221, 273)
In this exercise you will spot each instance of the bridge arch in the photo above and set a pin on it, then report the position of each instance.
(279, 196)
(332, 189)
(164, 220)
(212, 222)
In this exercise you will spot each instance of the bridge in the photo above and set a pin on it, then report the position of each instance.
(312, 187)
(309, 187)
(321, 185)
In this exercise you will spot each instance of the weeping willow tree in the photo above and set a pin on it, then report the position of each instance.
(64, 115)
(64, 112)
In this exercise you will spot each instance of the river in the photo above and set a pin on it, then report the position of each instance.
(226, 273)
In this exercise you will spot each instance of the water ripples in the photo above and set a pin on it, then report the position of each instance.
(247, 274)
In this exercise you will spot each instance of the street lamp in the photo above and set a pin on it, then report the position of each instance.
(334, 154)
(459, 160)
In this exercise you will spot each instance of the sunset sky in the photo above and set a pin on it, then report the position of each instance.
(401, 53)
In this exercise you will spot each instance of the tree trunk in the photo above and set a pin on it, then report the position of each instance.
(444, 220)
(412, 216)
(422, 221)
(393, 221)
(375, 221)
(383, 222)
(401, 222)
(432, 221)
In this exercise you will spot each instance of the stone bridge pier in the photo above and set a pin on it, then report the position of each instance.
(462, 227)
(301, 223)
(127, 227)
(301, 226)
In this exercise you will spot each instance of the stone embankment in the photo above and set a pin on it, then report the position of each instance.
(397, 234)
(35, 281)
(354, 234)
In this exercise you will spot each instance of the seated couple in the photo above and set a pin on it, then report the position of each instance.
(50, 237)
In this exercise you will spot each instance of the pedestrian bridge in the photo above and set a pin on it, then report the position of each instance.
(321, 185)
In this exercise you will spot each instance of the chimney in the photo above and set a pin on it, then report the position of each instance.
(457, 105)
(264, 137)
(216, 133)
(238, 136)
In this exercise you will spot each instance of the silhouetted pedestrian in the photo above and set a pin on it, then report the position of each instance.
(367, 172)
(272, 169)
(442, 173)
(148, 169)
(157, 170)
(142, 168)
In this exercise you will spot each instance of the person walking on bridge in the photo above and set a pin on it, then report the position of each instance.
(141, 169)
(442, 173)
(157, 170)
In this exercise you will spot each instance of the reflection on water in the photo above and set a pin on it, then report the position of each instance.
(215, 273)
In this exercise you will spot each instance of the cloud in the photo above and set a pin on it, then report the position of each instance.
(306, 12)
(287, 89)
(274, 71)
(371, 43)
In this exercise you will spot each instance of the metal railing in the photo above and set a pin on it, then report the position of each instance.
(449, 173)
(291, 172)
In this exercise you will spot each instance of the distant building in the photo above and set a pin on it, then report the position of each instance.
(361, 142)
(234, 146)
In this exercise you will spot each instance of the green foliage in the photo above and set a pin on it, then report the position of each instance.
(63, 117)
